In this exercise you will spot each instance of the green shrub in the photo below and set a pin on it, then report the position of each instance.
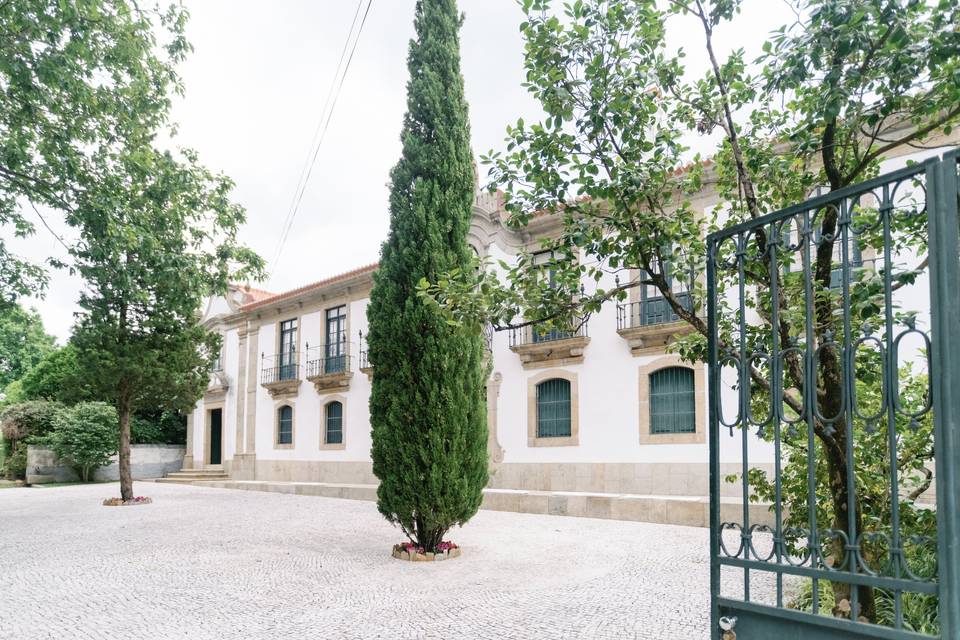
(23, 424)
(15, 461)
(85, 437)
(30, 421)
(160, 427)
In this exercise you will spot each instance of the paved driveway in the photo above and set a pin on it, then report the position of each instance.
(211, 563)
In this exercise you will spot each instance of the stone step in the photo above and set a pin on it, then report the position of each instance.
(681, 510)
(189, 476)
(198, 472)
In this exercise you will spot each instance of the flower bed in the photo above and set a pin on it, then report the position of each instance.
(120, 502)
(413, 553)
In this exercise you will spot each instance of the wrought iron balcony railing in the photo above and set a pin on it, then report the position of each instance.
(279, 368)
(327, 360)
(650, 312)
(539, 333)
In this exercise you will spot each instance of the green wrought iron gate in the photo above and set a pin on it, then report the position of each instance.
(834, 355)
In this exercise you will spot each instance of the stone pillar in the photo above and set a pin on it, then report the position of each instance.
(188, 452)
(253, 362)
(241, 385)
(493, 393)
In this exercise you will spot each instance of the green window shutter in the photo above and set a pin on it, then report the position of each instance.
(334, 420)
(285, 432)
(672, 401)
(553, 408)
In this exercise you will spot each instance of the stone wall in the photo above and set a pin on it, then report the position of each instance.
(146, 461)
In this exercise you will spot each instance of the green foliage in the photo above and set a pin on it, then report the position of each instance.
(57, 377)
(24, 424)
(427, 411)
(82, 81)
(12, 394)
(23, 342)
(14, 461)
(85, 437)
(920, 610)
(163, 241)
(158, 427)
(29, 421)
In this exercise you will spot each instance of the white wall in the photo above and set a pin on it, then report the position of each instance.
(308, 404)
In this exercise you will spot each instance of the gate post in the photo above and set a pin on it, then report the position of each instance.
(713, 429)
(944, 250)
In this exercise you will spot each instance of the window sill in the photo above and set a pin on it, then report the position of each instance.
(653, 337)
(565, 441)
(552, 353)
(331, 381)
(283, 388)
(673, 438)
(284, 446)
(333, 447)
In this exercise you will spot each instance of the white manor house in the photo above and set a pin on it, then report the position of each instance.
(604, 423)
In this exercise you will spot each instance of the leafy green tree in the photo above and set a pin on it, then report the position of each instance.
(426, 407)
(57, 377)
(23, 342)
(81, 80)
(12, 394)
(162, 240)
(85, 437)
(849, 82)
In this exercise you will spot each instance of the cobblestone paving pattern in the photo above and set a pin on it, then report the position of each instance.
(201, 563)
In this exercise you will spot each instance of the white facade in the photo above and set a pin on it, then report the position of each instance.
(610, 449)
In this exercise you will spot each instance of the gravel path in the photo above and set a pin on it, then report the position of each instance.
(204, 563)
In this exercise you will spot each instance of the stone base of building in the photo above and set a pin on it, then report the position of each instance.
(658, 479)
(244, 466)
(693, 511)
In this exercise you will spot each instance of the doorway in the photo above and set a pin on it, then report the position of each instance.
(216, 436)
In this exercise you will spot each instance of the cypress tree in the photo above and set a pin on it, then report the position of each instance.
(427, 411)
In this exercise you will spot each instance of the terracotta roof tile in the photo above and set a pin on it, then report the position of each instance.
(370, 268)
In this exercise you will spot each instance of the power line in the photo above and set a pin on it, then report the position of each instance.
(316, 132)
(322, 127)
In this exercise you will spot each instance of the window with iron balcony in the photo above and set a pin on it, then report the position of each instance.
(548, 344)
(649, 322)
(280, 373)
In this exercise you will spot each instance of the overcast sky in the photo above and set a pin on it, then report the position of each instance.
(255, 86)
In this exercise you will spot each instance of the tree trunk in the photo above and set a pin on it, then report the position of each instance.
(837, 470)
(126, 478)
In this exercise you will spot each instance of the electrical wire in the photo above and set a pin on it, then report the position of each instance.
(322, 127)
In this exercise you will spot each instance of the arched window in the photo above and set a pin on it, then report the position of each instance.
(285, 425)
(553, 408)
(672, 401)
(333, 417)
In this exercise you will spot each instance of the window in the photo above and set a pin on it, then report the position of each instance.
(335, 351)
(654, 308)
(333, 417)
(547, 260)
(288, 350)
(553, 409)
(285, 425)
(672, 401)
(217, 365)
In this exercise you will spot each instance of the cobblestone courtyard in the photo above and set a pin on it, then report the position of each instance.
(212, 563)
